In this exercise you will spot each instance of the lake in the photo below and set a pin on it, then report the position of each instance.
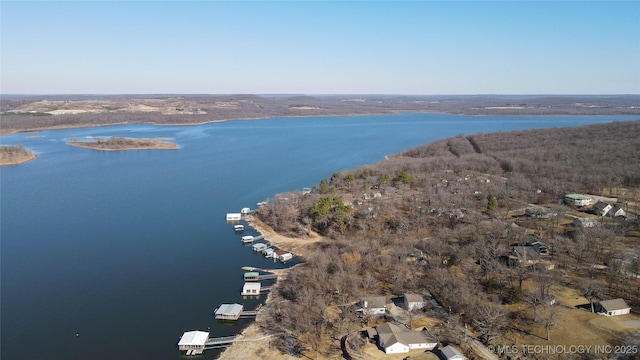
(113, 255)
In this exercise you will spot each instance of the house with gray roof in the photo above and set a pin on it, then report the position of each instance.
(451, 353)
(413, 302)
(394, 339)
(601, 208)
(373, 305)
(613, 307)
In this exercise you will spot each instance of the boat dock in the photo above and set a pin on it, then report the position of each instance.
(255, 276)
(248, 239)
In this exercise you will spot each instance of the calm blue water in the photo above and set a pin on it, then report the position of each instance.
(112, 255)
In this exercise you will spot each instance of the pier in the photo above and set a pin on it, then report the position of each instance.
(220, 341)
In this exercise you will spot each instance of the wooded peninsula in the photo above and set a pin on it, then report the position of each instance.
(15, 154)
(523, 237)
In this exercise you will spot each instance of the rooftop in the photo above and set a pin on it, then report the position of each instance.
(613, 305)
(198, 338)
(577, 197)
(229, 310)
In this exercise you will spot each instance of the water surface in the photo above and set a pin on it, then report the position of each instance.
(113, 255)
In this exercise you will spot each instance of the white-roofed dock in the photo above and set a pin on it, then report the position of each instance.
(193, 342)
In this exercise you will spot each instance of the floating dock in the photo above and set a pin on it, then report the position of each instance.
(248, 239)
(193, 342)
(234, 217)
(228, 312)
(255, 276)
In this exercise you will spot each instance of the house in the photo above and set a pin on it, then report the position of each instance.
(251, 288)
(394, 339)
(228, 312)
(613, 307)
(577, 200)
(282, 255)
(540, 246)
(451, 353)
(525, 255)
(193, 342)
(539, 212)
(413, 302)
(373, 305)
(601, 208)
(617, 211)
(585, 222)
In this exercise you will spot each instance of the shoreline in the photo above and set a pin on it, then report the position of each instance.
(20, 161)
(261, 349)
(267, 117)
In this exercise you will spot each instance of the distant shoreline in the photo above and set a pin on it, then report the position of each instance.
(39, 113)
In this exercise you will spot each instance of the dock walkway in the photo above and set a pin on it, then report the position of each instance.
(218, 341)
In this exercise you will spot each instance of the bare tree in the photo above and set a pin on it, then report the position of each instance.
(490, 321)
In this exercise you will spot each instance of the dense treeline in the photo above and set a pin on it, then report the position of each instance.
(440, 218)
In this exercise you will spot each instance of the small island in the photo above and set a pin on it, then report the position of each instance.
(120, 143)
(15, 154)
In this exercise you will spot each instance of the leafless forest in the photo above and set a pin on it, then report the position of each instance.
(444, 218)
(28, 113)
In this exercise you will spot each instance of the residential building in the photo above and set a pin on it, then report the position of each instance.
(613, 307)
(601, 208)
(413, 302)
(451, 353)
(373, 305)
(578, 200)
(394, 339)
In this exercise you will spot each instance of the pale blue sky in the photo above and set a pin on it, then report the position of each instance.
(323, 47)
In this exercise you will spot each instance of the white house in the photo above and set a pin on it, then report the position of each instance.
(373, 305)
(413, 302)
(451, 353)
(193, 342)
(396, 339)
(617, 211)
(251, 288)
(577, 200)
(613, 307)
(601, 208)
